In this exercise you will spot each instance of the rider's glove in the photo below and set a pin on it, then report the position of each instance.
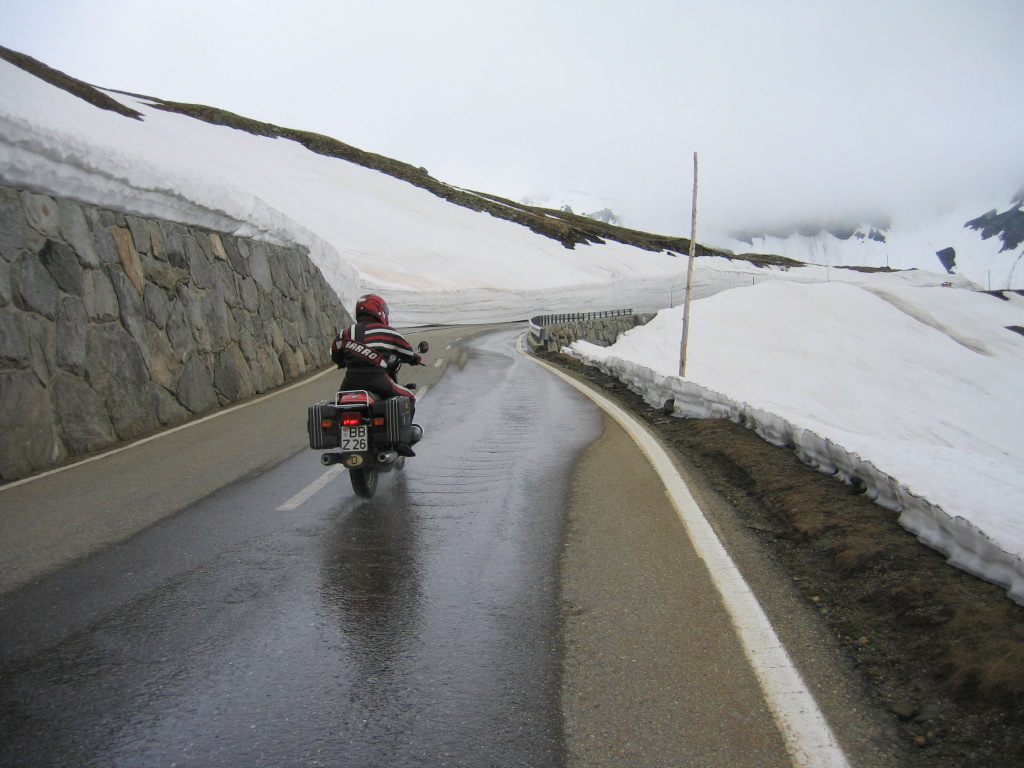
(416, 360)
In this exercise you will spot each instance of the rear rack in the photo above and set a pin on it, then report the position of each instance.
(354, 397)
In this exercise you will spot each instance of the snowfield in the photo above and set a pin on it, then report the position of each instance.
(886, 379)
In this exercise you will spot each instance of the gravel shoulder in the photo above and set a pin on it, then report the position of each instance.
(938, 653)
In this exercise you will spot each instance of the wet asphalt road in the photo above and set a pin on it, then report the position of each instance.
(417, 628)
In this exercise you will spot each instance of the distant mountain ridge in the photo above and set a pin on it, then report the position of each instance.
(1008, 226)
(842, 231)
(987, 249)
(578, 203)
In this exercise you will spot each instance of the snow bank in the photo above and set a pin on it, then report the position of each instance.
(913, 392)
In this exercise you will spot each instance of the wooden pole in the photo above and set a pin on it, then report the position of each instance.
(689, 274)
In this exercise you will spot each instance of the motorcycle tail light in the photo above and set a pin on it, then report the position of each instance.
(351, 421)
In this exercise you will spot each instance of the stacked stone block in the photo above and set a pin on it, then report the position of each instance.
(113, 326)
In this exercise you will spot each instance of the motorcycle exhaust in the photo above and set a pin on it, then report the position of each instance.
(384, 458)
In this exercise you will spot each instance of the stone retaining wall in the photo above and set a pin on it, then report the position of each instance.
(549, 333)
(113, 326)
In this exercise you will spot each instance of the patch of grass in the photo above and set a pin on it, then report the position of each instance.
(856, 553)
(993, 671)
(803, 508)
(67, 83)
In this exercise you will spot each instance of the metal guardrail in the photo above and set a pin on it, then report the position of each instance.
(540, 320)
(539, 334)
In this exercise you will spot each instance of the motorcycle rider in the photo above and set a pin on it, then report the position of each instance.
(363, 350)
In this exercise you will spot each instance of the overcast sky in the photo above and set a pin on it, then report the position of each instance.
(798, 108)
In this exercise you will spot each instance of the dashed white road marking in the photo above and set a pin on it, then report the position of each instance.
(302, 496)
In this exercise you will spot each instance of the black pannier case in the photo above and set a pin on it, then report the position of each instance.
(397, 413)
(319, 436)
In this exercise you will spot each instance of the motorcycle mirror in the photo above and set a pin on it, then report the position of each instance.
(424, 347)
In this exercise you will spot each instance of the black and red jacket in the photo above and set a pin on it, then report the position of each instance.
(366, 345)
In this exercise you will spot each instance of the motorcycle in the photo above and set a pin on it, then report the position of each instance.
(365, 431)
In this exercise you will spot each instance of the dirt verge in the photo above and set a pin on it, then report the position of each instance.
(942, 651)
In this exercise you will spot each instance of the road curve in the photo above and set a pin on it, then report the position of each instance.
(653, 670)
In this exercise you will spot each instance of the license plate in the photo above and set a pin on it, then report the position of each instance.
(354, 439)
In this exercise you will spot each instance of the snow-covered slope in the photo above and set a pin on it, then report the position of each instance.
(436, 262)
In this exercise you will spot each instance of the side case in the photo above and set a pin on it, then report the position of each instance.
(319, 436)
(397, 413)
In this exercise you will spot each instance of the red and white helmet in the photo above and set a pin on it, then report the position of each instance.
(373, 305)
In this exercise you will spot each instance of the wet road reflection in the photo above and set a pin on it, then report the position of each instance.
(416, 628)
(370, 587)
(446, 587)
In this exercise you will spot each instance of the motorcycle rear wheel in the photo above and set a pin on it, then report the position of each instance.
(364, 481)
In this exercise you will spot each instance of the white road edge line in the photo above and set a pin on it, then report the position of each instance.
(809, 739)
(158, 435)
(299, 498)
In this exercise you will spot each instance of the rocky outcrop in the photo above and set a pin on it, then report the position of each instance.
(113, 326)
